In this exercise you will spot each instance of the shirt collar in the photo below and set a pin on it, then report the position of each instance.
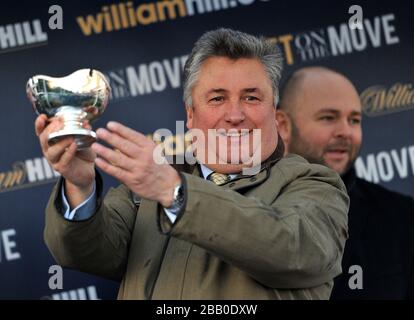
(207, 171)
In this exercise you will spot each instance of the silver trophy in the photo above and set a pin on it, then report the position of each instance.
(82, 95)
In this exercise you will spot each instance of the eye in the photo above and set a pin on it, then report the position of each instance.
(251, 98)
(327, 118)
(216, 99)
(355, 121)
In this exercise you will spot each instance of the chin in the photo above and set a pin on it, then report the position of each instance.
(226, 168)
(235, 157)
(340, 169)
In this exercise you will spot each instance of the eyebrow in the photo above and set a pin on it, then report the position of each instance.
(356, 113)
(251, 90)
(217, 90)
(222, 90)
(336, 111)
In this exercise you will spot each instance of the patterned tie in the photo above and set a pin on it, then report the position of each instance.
(218, 178)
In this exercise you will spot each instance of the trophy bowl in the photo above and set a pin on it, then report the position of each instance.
(80, 96)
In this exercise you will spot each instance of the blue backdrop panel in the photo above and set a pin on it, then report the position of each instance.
(141, 46)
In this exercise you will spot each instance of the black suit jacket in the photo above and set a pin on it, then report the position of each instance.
(381, 241)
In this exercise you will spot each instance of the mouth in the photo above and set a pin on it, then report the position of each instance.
(233, 133)
(337, 153)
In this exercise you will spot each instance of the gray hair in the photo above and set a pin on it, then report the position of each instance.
(234, 45)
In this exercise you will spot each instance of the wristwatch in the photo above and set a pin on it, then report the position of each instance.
(178, 201)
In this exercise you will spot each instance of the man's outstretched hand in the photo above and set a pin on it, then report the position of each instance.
(132, 163)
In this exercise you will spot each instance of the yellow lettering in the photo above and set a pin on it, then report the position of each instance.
(285, 40)
(171, 6)
(124, 17)
(287, 48)
(90, 24)
(146, 14)
(377, 99)
(115, 17)
(107, 17)
(131, 14)
(14, 177)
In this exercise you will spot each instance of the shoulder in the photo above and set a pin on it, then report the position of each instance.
(295, 175)
(391, 209)
(296, 164)
(294, 167)
(368, 189)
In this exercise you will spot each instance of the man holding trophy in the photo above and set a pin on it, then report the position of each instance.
(204, 231)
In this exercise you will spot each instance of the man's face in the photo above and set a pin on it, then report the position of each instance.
(326, 124)
(234, 97)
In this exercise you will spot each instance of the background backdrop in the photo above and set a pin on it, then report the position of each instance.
(141, 46)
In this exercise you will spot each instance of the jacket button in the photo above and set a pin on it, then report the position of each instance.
(253, 179)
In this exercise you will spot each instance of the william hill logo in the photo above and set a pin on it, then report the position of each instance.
(379, 100)
(28, 173)
(21, 35)
(128, 15)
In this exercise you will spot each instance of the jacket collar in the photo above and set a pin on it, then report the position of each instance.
(242, 181)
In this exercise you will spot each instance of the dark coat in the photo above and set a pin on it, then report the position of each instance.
(381, 241)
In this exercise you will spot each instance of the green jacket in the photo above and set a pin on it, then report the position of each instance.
(277, 235)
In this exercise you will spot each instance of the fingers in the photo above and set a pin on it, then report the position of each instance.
(86, 125)
(125, 146)
(86, 155)
(40, 124)
(132, 147)
(55, 152)
(110, 169)
(127, 133)
(115, 158)
(68, 154)
(44, 129)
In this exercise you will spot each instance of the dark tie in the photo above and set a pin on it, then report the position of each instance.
(218, 178)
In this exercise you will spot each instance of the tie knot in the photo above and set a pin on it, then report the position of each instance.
(218, 178)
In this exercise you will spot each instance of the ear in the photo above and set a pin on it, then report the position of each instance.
(284, 126)
(190, 114)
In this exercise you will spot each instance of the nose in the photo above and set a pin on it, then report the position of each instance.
(235, 113)
(343, 129)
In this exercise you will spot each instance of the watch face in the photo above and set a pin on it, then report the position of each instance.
(178, 199)
(179, 194)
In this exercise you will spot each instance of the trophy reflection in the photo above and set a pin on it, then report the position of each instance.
(82, 95)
